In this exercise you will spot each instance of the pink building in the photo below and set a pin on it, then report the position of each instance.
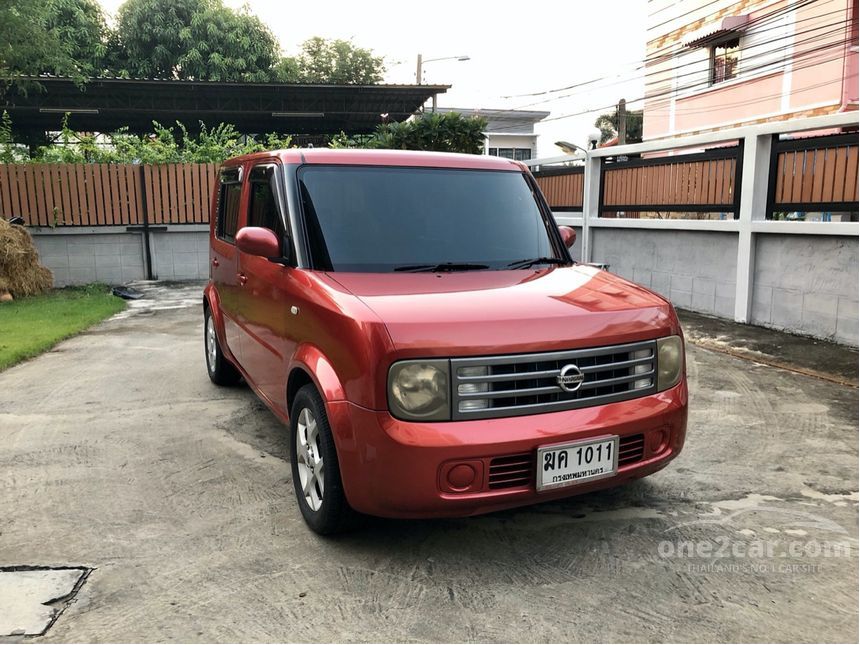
(724, 63)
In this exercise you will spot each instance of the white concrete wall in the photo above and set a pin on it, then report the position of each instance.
(114, 255)
(807, 284)
(696, 270)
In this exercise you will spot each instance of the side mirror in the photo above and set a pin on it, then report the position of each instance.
(255, 240)
(568, 235)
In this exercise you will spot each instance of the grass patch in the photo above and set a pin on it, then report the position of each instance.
(30, 326)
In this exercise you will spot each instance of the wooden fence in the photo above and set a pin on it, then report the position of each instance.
(562, 187)
(815, 174)
(107, 194)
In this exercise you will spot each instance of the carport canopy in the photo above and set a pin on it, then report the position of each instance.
(107, 104)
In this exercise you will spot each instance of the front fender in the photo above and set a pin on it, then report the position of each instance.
(310, 358)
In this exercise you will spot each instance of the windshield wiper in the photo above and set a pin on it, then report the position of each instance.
(438, 268)
(525, 264)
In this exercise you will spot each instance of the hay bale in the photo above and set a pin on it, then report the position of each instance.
(19, 262)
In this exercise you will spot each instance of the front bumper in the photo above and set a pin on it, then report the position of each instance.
(393, 468)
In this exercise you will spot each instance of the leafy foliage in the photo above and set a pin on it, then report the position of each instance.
(608, 125)
(223, 45)
(448, 132)
(192, 39)
(80, 26)
(164, 145)
(47, 36)
(333, 61)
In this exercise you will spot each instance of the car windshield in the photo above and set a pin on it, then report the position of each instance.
(381, 219)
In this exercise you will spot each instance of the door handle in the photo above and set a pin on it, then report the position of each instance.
(243, 279)
(215, 262)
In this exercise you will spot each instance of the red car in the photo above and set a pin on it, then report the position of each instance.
(416, 320)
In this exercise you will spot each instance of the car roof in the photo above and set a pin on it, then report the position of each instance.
(364, 157)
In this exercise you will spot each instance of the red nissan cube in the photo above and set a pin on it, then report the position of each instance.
(417, 323)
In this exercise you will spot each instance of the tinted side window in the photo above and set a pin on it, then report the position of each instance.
(263, 209)
(228, 211)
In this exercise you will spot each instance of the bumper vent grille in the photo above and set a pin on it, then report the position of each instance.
(506, 386)
(511, 471)
(631, 449)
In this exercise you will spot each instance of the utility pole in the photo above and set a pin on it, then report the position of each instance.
(418, 71)
(622, 122)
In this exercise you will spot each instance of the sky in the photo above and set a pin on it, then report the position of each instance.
(515, 48)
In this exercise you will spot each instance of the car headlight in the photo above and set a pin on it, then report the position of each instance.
(670, 361)
(419, 390)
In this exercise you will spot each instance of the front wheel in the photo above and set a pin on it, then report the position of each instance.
(221, 371)
(316, 473)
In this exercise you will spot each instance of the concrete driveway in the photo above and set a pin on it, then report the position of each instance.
(118, 456)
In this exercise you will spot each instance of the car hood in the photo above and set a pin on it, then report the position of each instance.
(480, 312)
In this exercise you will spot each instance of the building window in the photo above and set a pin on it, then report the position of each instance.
(724, 60)
(520, 154)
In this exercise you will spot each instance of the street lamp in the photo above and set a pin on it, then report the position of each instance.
(419, 68)
(568, 147)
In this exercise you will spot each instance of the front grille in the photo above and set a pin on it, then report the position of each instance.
(505, 386)
(631, 449)
(511, 471)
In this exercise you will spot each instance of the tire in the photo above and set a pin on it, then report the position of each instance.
(321, 500)
(220, 370)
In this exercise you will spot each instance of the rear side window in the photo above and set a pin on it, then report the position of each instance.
(228, 208)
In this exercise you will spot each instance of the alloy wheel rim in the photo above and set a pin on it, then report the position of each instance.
(211, 344)
(310, 460)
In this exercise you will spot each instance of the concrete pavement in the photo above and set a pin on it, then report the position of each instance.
(119, 456)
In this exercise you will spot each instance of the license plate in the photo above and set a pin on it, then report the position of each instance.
(568, 464)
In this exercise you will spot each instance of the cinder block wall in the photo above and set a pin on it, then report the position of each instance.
(180, 255)
(116, 256)
(82, 257)
(695, 270)
(807, 284)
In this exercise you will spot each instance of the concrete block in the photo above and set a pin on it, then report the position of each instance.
(128, 274)
(82, 275)
(819, 314)
(847, 321)
(81, 260)
(682, 282)
(642, 276)
(724, 307)
(661, 282)
(61, 277)
(131, 261)
(51, 244)
(703, 302)
(682, 299)
(109, 275)
(762, 299)
(105, 261)
(787, 308)
(704, 286)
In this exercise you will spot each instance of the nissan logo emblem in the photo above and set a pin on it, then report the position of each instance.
(570, 378)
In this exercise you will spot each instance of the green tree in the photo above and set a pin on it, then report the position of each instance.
(149, 36)
(337, 62)
(192, 39)
(28, 46)
(80, 26)
(608, 125)
(449, 132)
(225, 45)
